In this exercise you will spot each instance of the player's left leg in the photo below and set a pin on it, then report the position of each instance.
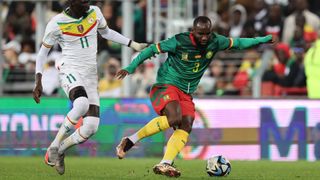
(82, 134)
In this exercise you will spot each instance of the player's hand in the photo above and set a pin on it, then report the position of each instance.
(122, 74)
(37, 91)
(274, 40)
(269, 39)
(138, 46)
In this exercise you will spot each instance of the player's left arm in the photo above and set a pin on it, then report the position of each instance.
(114, 36)
(242, 43)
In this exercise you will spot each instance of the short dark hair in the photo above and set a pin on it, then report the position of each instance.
(201, 19)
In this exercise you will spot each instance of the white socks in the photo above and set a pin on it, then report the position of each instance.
(89, 128)
(134, 138)
(80, 108)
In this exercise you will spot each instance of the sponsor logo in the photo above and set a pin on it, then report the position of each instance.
(90, 20)
(184, 56)
(197, 56)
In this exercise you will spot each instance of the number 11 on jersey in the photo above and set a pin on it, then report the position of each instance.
(84, 42)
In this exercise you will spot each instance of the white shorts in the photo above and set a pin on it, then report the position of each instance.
(70, 78)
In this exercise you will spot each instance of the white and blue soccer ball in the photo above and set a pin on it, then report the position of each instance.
(218, 166)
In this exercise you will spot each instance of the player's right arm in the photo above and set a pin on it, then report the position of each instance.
(42, 56)
(168, 45)
(48, 41)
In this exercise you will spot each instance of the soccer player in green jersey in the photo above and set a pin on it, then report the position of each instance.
(189, 55)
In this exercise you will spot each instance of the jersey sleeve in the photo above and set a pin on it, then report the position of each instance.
(102, 23)
(51, 34)
(224, 42)
(168, 45)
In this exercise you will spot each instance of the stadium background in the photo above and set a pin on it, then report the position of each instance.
(241, 112)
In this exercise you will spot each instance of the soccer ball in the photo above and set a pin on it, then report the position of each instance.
(218, 166)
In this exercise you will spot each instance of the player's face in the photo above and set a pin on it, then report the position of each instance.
(82, 6)
(202, 33)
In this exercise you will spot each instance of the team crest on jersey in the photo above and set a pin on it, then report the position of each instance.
(80, 28)
(166, 97)
(209, 54)
(184, 56)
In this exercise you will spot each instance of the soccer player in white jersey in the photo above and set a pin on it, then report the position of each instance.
(75, 30)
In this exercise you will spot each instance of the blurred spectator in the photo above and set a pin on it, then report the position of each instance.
(109, 85)
(230, 72)
(290, 25)
(4, 12)
(274, 23)
(238, 17)
(312, 70)
(14, 70)
(219, 88)
(249, 30)
(295, 77)
(108, 13)
(51, 78)
(30, 68)
(304, 33)
(279, 64)
(142, 80)
(27, 51)
(139, 21)
(288, 72)
(114, 22)
(260, 13)
(11, 51)
(220, 22)
(314, 6)
(298, 37)
(282, 61)
(19, 24)
(209, 80)
(250, 63)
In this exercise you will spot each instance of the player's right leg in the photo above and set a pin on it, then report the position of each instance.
(73, 87)
(166, 169)
(164, 101)
(179, 137)
(80, 107)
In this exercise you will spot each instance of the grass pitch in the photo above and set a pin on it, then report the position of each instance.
(113, 169)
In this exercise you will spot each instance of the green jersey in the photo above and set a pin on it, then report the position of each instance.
(186, 61)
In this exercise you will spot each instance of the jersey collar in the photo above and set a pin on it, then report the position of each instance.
(193, 41)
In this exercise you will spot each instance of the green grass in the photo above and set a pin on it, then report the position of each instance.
(113, 169)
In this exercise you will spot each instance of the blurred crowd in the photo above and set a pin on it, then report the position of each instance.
(294, 23)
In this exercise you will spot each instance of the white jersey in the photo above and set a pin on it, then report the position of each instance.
(77, 38)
